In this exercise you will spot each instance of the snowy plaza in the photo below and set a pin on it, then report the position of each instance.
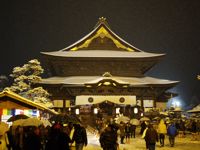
(139, 144)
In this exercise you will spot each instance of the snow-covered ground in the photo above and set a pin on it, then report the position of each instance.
(139, 144)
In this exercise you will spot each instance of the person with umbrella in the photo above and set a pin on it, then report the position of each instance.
(143, 127)
(162, 130)
(172, 132)
(132, 130)
(122, 132)
(128, 132)
(19, 138)
(32, 140)
(80, 137)
(58, 140)
(151, 137)
(108, 138)
(3, 136)
(134, 122)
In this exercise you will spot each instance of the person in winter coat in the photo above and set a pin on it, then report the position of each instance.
(128, 132)
(162, 130)
(80, 137)
(57, 140)
(172, 132)
(108, 138)
(143, 136)
(122, 132)
(133, 128)
(3, 142)
(32, 140)
(143, 127)
(151, 137)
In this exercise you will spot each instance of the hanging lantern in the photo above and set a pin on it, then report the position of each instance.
(95, 111)
(77, 111)
(135, 110)
(117, 110)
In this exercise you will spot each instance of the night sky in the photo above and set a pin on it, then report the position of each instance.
(161, 26)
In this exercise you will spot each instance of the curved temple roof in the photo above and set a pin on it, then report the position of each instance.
(84, 80)
(101, 42)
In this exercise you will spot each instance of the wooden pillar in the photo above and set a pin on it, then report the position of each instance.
(142, 103)
(64, 108)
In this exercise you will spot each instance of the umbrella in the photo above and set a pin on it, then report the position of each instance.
(18, 122)
(178, 109)
(156, 118)
(17, 117)
(164, 113)
(124, 119)
(4, 127)
(144, 119)
(134, 122)
(167, 118)
(32, 122)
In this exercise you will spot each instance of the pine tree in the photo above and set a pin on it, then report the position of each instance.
(24, 79)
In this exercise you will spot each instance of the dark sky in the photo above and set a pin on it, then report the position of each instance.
(161, 26)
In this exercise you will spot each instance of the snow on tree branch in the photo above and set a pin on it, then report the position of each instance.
(24, 77)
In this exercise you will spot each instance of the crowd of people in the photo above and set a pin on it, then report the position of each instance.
(152, 132)
(110, 136)
(45, 138)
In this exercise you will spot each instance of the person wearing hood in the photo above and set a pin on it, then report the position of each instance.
(162, 130)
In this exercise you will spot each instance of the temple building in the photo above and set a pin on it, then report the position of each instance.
(103, 71)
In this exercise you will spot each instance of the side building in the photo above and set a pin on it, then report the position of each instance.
(101, 72)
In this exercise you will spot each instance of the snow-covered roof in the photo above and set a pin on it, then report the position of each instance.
(82, 80)
(26, 101)
(102, 53)
(195, 109)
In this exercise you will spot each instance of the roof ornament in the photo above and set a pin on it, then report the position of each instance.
(102, 20)
(107, 74)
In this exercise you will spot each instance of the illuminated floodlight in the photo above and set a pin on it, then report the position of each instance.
(176, 103)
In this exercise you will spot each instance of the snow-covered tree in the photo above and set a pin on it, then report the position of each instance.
(3, 82)
(24, 79)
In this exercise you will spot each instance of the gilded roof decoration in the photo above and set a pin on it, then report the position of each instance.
(102, 33)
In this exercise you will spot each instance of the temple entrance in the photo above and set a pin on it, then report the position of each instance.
(106, 108)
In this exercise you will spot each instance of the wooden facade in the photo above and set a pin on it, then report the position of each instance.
(102, 63)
